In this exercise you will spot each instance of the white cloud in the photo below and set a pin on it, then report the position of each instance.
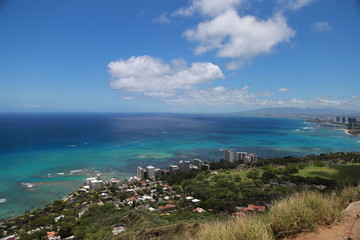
(297, 4)
(163, 18)
(217, 96)
(129, 98)
(182, 86)
(284, 89)
(294, 4)
(222, 96)
(239, 37)
(208, 7)
(234, 65)
(153, 77)
(321, 26)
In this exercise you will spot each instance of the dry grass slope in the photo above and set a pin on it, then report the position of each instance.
(302, 212)
(245, 228)
(285, 218)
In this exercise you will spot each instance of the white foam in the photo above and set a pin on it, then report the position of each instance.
(2, 200)
(29, 185)
(60, 173)
(75, 171)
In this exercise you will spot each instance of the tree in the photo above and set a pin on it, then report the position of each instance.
(253, 174)
(65, 230)
(268, 175)
(237, 178)
(291, 169)
(319, 163)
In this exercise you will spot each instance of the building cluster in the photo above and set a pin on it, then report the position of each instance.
(230, 156)
(351, 122)
(151, 172)
(94, 183)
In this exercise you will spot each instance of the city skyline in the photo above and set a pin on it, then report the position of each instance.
(178, 56)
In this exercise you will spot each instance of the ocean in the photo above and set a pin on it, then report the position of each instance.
(45, 156)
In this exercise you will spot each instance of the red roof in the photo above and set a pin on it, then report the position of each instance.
(252, 207)
(51, 234)
(167, 206)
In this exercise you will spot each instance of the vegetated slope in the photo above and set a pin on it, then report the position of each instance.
(347, 228)
(301, 212)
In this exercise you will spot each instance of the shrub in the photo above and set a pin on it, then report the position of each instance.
(302, 212)
(244, 228)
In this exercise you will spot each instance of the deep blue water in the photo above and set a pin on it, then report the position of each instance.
(55, 152)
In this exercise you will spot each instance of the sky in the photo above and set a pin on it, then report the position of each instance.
(193, 56)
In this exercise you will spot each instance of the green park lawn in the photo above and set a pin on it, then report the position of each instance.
(345, 173)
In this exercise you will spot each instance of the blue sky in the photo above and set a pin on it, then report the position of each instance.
(178, 56)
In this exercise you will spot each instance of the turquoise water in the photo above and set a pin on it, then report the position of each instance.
(44, 157)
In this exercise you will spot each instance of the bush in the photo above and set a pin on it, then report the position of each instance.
(286, 218)
(319, 163)
(303, 211)
(244, 228)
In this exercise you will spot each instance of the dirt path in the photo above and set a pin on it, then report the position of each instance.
(341, 230)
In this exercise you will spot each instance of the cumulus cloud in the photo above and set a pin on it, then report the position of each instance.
(297, 4)
(238, 37)
(218, 96)
(321, 26)
(153, 77)
(293, 4)
(129, 98)
(208, 7)
(182, 85)
(163, 18)
(284, 89)
(223, 96)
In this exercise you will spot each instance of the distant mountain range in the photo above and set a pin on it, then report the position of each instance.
(288, 111)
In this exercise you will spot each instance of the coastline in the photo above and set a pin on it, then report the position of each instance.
(158, 198)
(264, 135)
(349, 132)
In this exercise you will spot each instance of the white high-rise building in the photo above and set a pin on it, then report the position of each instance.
(173, 169)
(150, 171)
(157, 172)
(140, 173)
(247, 159)
(239, 156)
(198, 163)
(184, 165)
(228, 156)
(253, 157)
(95, 183)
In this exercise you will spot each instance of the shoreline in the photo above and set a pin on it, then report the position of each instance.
(348, 132)
(159, 197)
